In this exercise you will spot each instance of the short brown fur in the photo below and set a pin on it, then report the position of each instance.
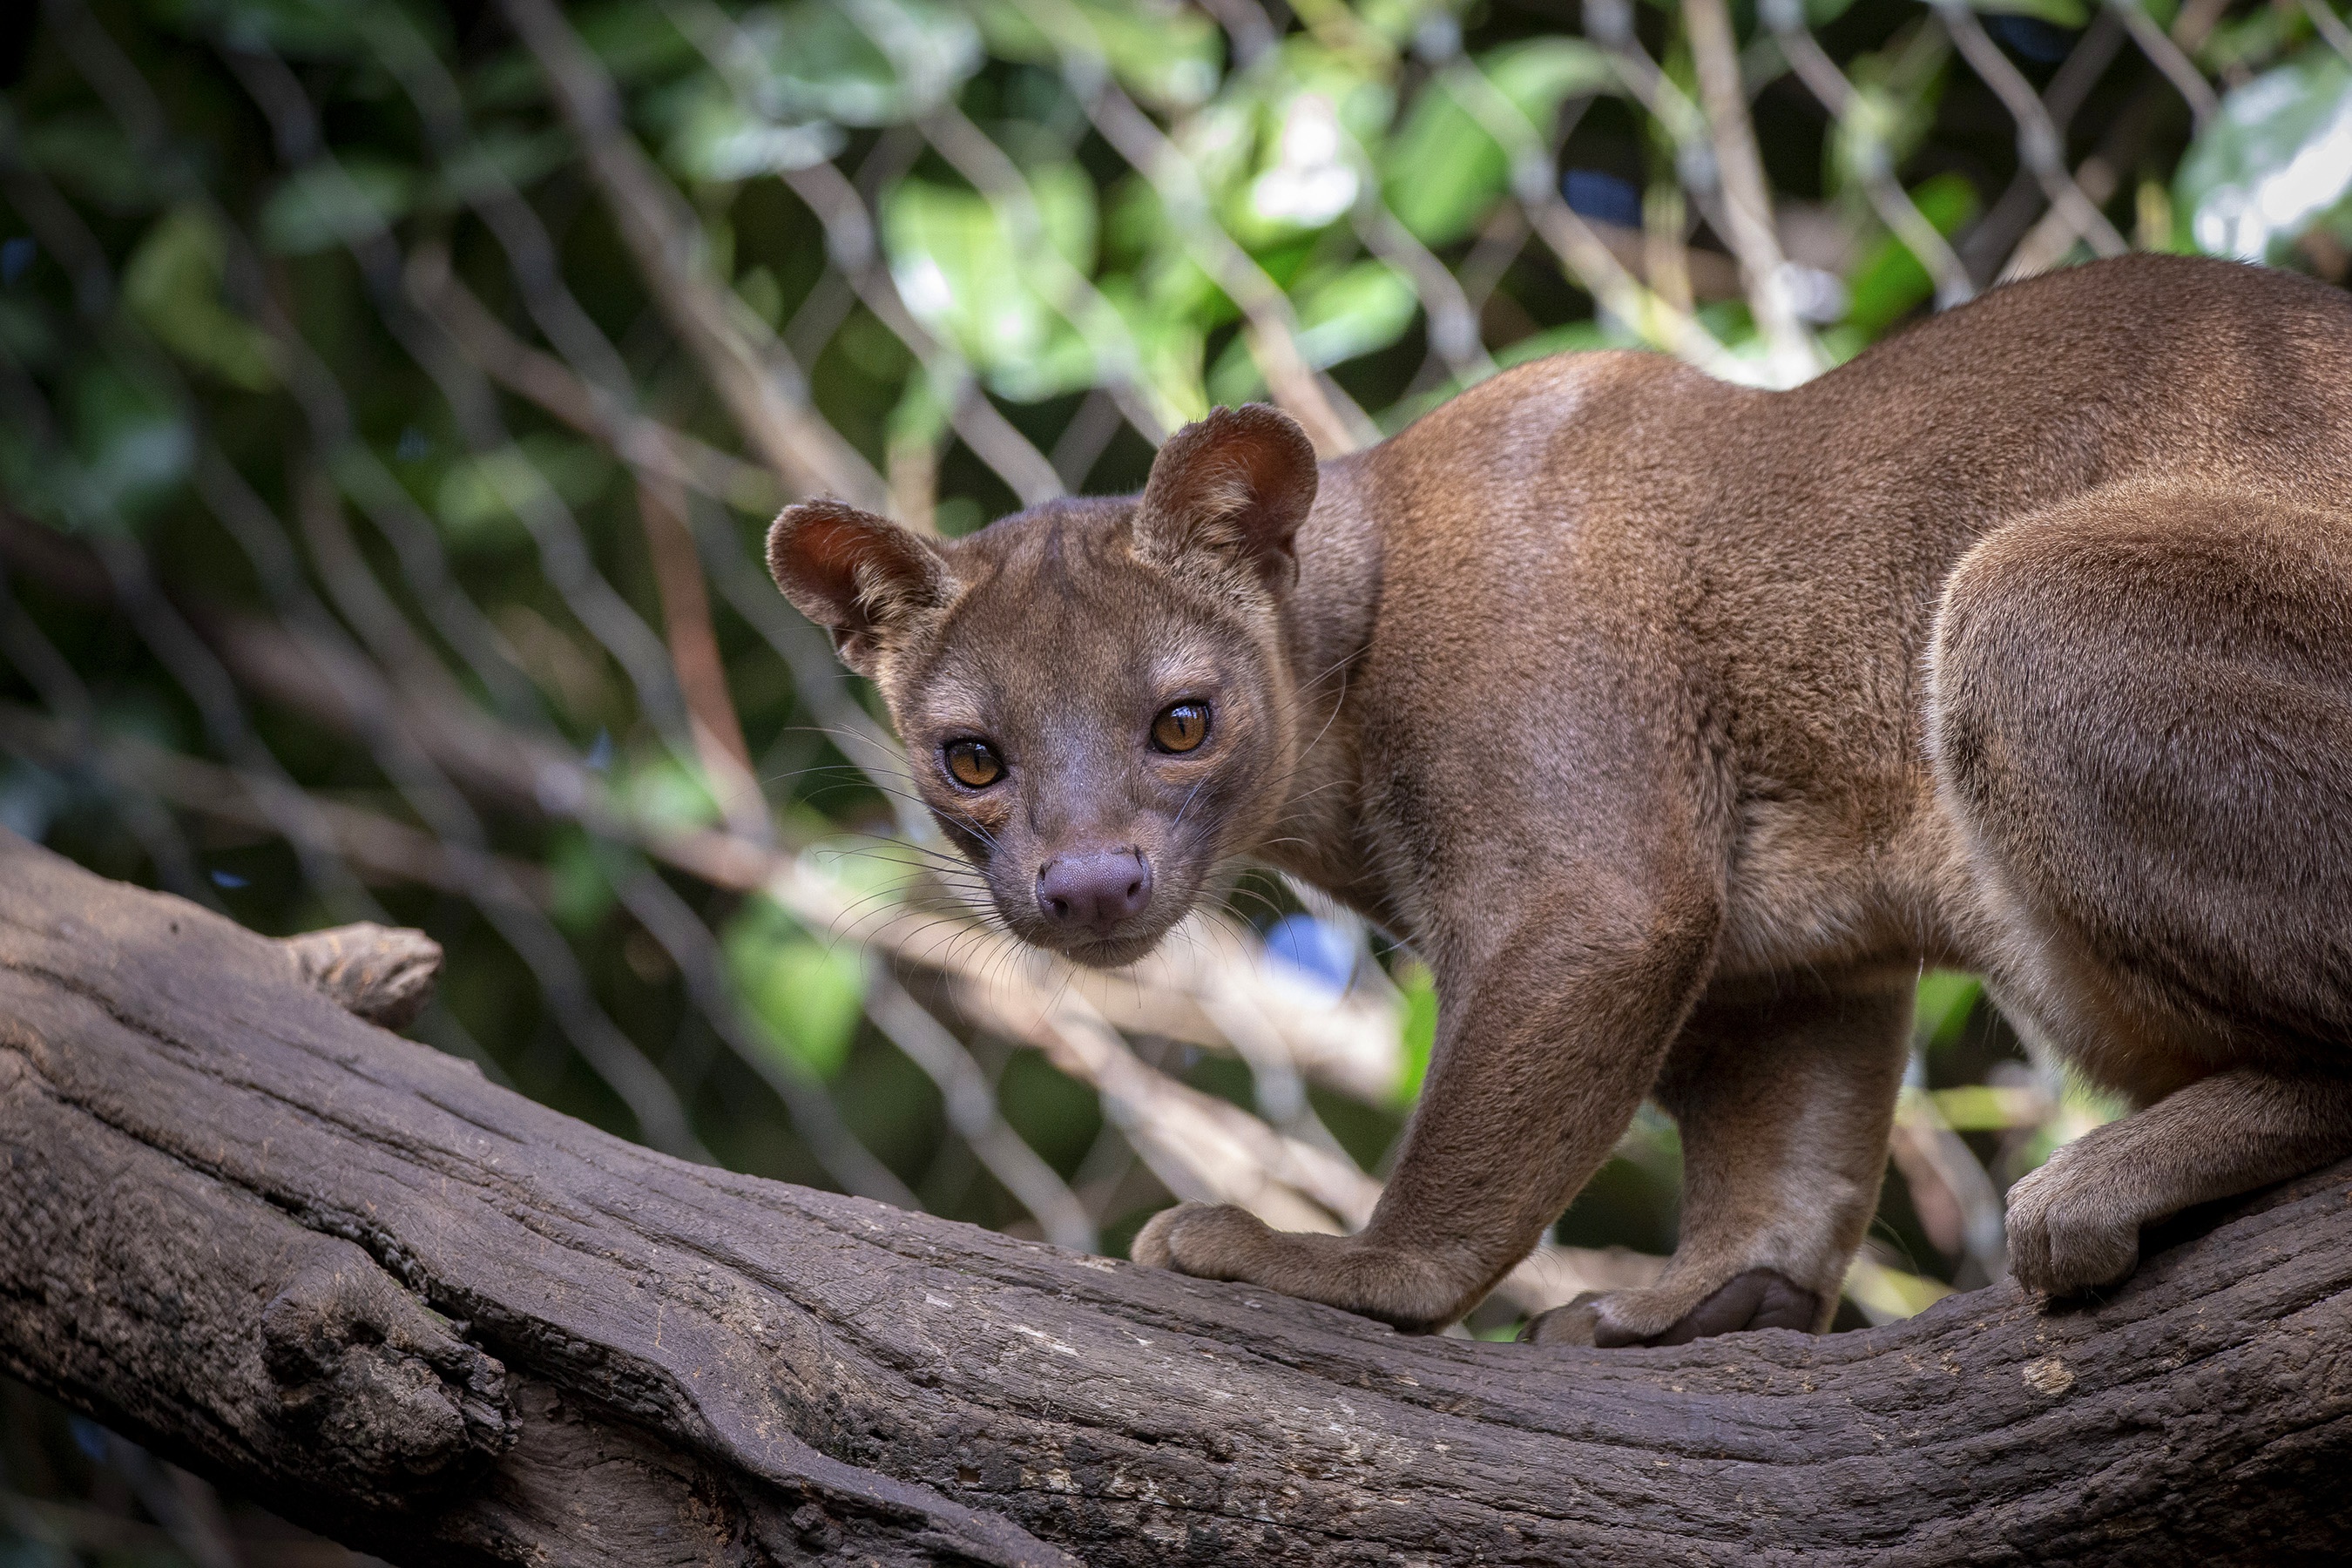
(1678, 725)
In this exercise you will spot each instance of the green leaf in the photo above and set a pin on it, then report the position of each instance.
(2068, 13)
(1889, 282)
(327, 205)
(1309, 181)
(853, 62)
(1341, 315)
(661, 793)
(1419, 989)
(717, 140)
(1987, 1107)
(2246, 42)
(126, 451)
(582, 892)
(1884, 123)
(133, 445)
(173, 285)
(1054, 1114)
(1946, 999)
(2275, 164)
(804, 996)
(1169, 346)
(495, 155)
(960, 267)
(1574, 337)
(921, 417)
(479, 497)
(1165, 276)
(1441, 172)
(1284, 153)
(635, 42)
(1364, 306)
(1164, 53)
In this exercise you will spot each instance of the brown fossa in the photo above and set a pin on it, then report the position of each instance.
(1677, 725)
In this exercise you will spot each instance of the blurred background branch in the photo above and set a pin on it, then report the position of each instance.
(392, 397)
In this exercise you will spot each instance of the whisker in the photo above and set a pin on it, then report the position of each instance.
(838, 732)
(1188, 802)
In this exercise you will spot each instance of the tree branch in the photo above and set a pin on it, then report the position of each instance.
(451, 1326)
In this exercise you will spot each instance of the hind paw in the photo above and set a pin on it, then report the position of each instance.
(1666, 1315)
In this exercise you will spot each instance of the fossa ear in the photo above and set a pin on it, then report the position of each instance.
(859, 576)
(1234, 486)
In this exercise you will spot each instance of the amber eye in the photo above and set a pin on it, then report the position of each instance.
(975, 763)
(1182, 728)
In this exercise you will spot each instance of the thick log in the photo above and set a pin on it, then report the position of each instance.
(340, 1271)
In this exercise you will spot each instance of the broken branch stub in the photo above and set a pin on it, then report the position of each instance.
(381, 974)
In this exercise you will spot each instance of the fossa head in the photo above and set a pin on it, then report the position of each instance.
(1094, 694)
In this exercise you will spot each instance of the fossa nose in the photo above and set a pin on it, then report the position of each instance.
(1094, 891)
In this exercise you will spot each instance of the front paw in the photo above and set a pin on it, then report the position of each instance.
(1208, 1241)
(2069, 1236)
(1413, 1290)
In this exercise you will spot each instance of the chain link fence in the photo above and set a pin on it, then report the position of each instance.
(393, 397)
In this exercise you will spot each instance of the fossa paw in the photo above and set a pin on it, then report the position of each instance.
(2069, 1234)
(1755, 1298)
(1208, 1241)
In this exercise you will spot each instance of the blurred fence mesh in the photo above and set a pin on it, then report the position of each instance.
(393, 397)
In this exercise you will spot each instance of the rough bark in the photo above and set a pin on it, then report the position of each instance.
(447, 1325)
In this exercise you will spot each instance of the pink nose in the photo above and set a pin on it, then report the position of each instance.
(1094, 890)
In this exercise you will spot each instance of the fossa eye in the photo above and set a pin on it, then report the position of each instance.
(973, 763)
(1180, 727)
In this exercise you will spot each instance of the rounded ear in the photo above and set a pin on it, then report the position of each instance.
(1236, 485)
(859, 576)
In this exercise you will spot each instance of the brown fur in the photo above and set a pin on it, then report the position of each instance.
(1677, 725)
